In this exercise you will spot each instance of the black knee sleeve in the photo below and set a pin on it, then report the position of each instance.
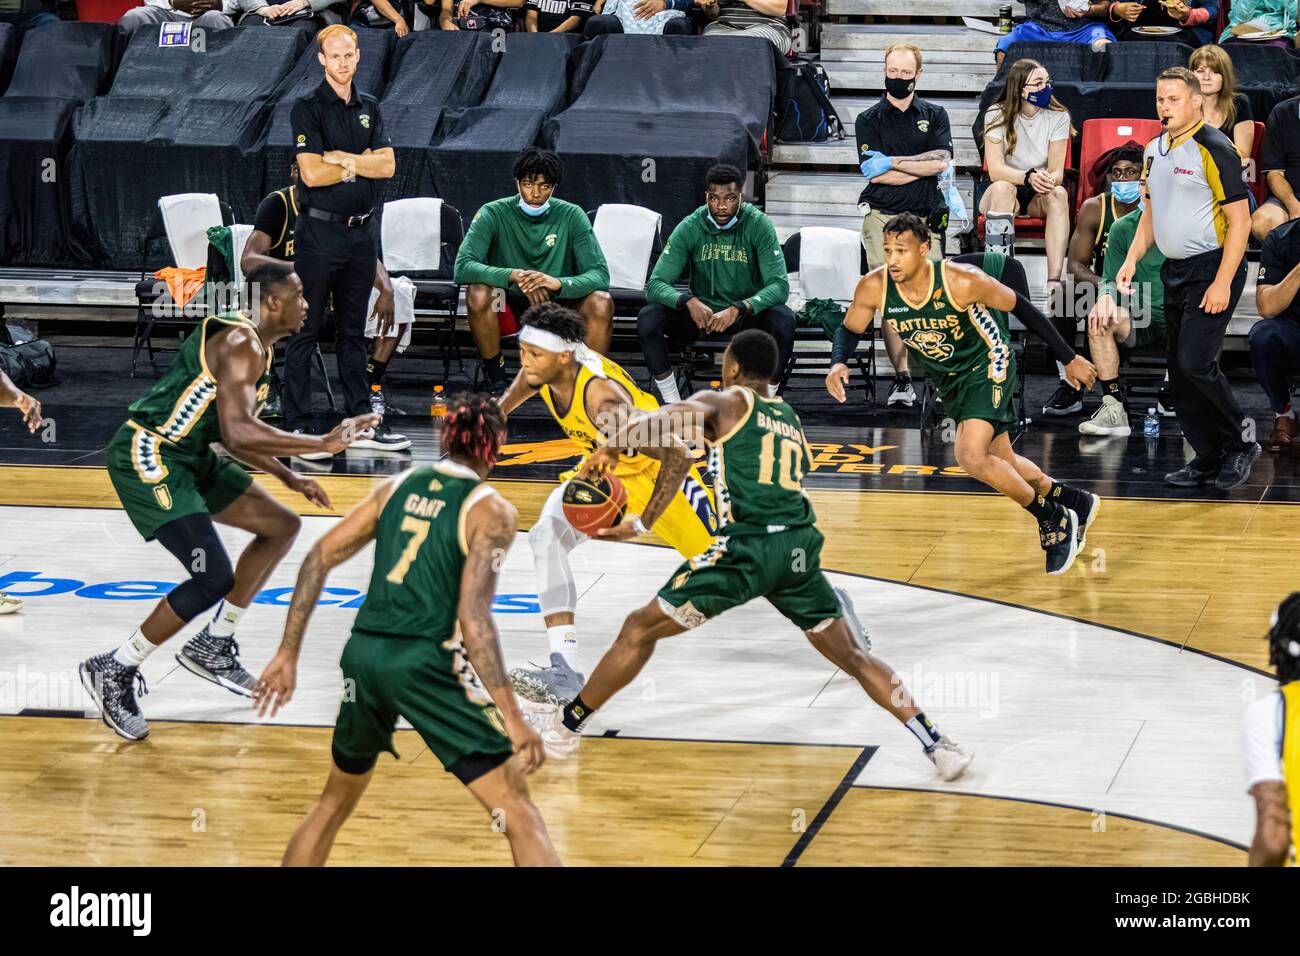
(194, 542)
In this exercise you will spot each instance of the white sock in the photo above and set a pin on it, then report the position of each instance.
(226, 619)
(668, 388)
(771, 389)
(135, 650)
(564, 640)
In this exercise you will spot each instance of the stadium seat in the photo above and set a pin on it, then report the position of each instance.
(1028, 227)
(1066, 62)
(1098, 136)
(631, 240)
(821, 256)
(183, 221)
(1140, 61)
(419, 240)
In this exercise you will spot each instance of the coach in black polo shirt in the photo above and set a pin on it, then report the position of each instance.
(342, 149)
(904, 143)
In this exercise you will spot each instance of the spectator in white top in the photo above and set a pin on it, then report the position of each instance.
(1268, 745)
(654, 17)
(1026, 136)
(208, 14)
(748, 18)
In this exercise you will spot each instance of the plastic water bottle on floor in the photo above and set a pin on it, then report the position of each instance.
(377, 401)
(438, 407)
(1151, 424)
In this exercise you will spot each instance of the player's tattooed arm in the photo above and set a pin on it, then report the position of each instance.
(489, 532)
(675, 462)
(1272, 824)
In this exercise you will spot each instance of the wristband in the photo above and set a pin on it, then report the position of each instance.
(640, 526)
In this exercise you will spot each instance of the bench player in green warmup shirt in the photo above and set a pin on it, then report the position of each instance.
(768, 546)
(441, 533)
(173, 486)
(954, 318)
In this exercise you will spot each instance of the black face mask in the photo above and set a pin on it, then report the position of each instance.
(899, 89)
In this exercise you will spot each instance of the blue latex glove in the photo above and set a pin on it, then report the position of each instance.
(876, 164)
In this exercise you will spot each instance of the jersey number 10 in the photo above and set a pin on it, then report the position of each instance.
(791, 462)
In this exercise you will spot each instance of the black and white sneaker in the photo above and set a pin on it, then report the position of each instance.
(384, 439)
(311, 455)
(1165, 402)
(1066, 400)
(216, 659)
(902, 393)
(112, 687)
(1059, 537)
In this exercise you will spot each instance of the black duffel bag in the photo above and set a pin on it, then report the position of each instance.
(804, 112)
(29, 364)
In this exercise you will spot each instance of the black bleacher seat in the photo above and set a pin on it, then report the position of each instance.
(1142, 61)
(1066, 62)
(8, 51)
(177, 121)
(375, 46)
(58, 67)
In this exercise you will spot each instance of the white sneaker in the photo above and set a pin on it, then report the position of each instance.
(950, 759)
(902, 392)
(9, 605)
(311, 455)
(1109, 419)
(560, 742)
(383, 440)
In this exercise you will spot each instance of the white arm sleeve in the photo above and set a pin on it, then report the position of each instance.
(1261, 739)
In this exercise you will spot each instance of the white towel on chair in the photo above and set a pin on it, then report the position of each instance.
(830, 261)
(626, 236)
(403, 311)
(412, 234)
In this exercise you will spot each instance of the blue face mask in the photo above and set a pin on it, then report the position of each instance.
(1126, 192)
(1040, 98)
(534, 210)
(728, 224)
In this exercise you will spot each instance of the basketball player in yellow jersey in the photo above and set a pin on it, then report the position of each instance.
(584, 390)
(1270, 744)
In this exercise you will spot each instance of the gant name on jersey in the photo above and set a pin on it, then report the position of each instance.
(424, 507)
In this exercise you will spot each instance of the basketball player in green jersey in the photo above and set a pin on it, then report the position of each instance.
(173, 486)
(11, 396)
(953, 317)
(768, 546)
(441, 533)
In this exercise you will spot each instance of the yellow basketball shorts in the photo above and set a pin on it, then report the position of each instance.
(688, 523)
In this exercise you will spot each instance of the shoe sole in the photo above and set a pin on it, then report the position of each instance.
(382, 446)
(1074, 545)
(949, 777)
(1062, 412)
(8, 608)
(1116, 431)
(198, 670)
(88, 682)
(905, 402)
(1195, 483)
(315, 456)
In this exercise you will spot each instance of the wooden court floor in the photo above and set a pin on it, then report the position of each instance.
(1199, 575)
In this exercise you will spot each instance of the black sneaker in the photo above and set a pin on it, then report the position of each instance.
(1236, 467)
(1059, 537)
(216, 659)
(1191, 475)
(384, 439)
(1165, 402)
(111, 686)
(902, 393)
(1087, 514)
(1066, 400)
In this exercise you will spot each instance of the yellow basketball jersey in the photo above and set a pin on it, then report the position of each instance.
(1291, 759)
(579, 427)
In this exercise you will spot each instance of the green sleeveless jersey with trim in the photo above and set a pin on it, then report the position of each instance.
(948, 340)
(420, 551)
(182, 405)
(758, 466)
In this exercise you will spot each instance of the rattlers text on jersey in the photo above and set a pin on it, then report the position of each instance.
(688, 523)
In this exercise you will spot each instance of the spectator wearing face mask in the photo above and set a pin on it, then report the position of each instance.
(904, 143)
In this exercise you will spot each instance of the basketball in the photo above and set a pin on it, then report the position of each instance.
(595, 503)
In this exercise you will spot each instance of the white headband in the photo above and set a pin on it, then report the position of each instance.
(532, 335)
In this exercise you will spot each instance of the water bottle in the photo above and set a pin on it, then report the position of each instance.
(952, 196)
(1004, 18)
(438, 407)
(377, 401)
(1151, 424)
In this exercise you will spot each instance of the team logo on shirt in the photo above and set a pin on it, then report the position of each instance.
(997, 394)
(365, 120)
(302, 140)
(164, 497)
(550, 239)
(923, 125)
(865, 148)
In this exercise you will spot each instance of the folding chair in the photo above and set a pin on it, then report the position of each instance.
(183, 221)
(420, 238)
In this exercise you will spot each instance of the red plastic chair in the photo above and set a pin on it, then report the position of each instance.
(104, 11)
(1101, 135)
(1260, 186)
(1027, 227)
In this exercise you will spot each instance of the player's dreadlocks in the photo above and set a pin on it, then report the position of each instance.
(473, 428)
(1284, 639)
(555, 318)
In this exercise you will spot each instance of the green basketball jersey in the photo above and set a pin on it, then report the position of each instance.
(182, 405)
(948, 340)
(420, 550)
(758, 466)
(1108, 217)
